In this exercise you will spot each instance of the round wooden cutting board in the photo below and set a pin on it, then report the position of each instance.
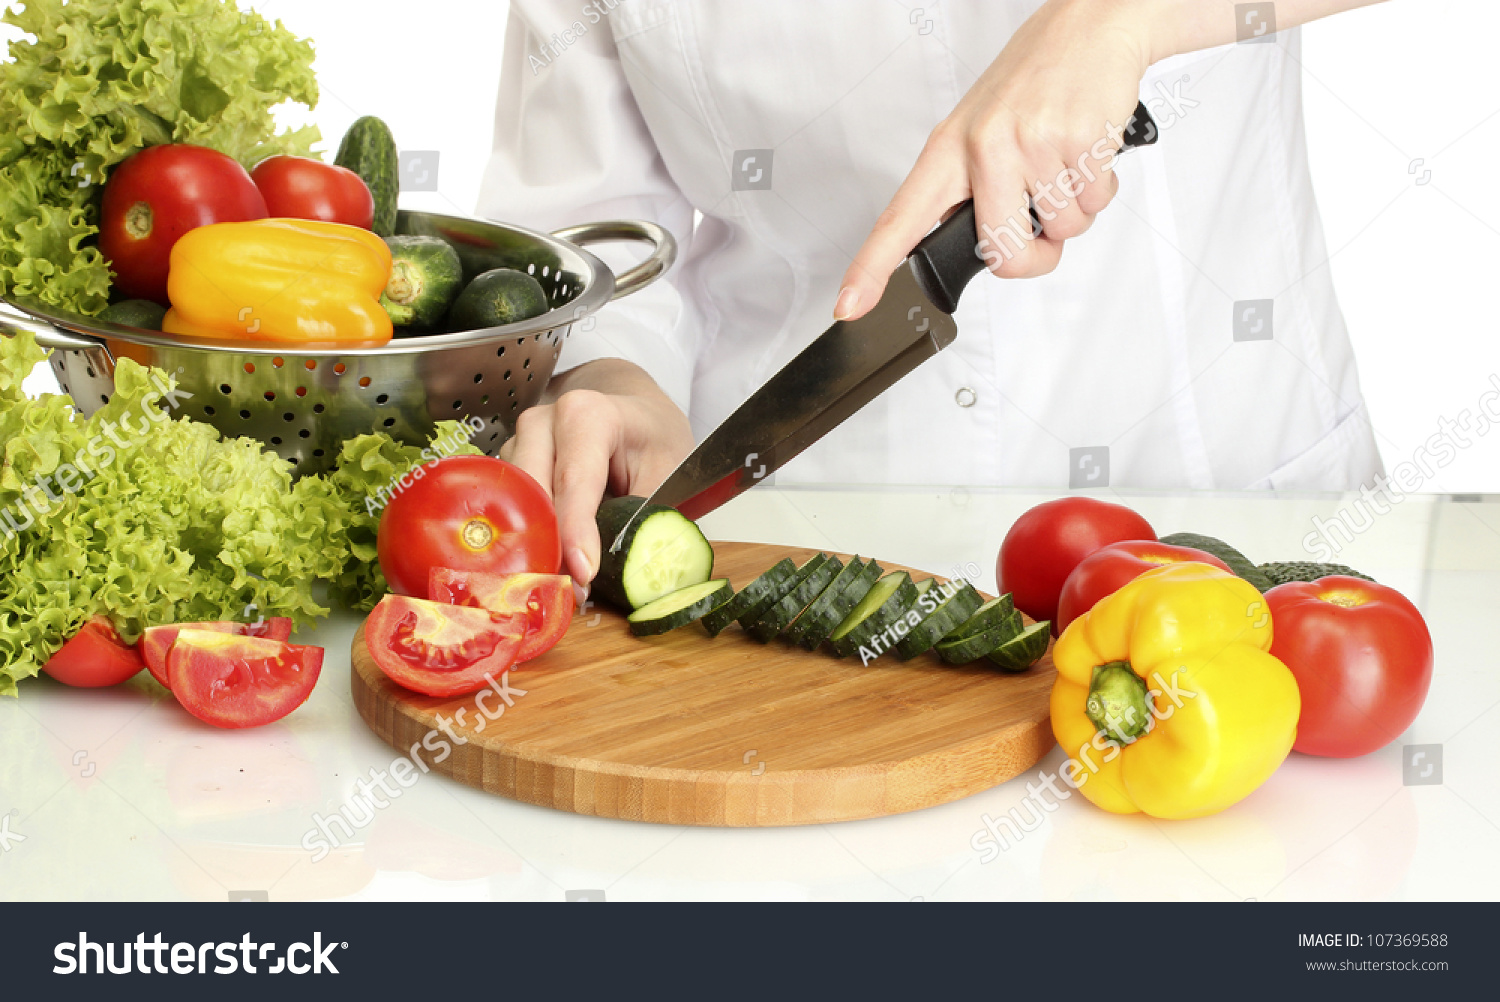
(688, 729)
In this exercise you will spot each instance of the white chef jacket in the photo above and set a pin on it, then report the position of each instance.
(1152, 340)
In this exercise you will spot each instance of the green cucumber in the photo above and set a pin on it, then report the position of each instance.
(1280, 572)
(1023, 650)
(960, 649)
(885, 602)
(661, 552)
(996, 612)
(425, 276)
(754, 614)
(945, 607)
(763, 587)
(779, 616)
(1233, 559)
(681, 607)
(369, 150)
(498, 297)
(142, 313)
(826, 620)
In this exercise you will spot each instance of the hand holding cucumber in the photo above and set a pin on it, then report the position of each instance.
(602, 425)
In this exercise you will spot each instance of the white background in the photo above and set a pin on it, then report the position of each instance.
(1414, 264)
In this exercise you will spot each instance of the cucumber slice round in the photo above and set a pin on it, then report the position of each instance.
(822, 625)
(885, 602)
(826, 598)
(957, 602)
(960, 649)
(994, 613)
(767, 585)
(780, 616)
(1022, 651)
(756, 612)
(687, 605)
(662, 552)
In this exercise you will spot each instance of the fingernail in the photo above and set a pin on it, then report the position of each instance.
(847, 304)
(581, 571)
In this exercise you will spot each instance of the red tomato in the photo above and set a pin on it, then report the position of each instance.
(303, 188)
(156, 642)
(233, 681)
(470, 513)
(156, 196)
(438, 649)
(542, 604)
(1112, 567)
(1046, 543)
(1362, 656)
(95, 657)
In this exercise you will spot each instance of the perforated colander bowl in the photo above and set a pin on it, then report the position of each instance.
(305, 399)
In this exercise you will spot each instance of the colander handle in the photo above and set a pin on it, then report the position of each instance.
(663, 249)
(12, 321)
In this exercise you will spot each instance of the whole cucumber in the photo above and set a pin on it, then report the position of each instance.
(369, 150)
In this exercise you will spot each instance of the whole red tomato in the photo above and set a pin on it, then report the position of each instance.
(1112, 567)
(1046, 543)
(1362, 656)
(156, 196)
(303, 188)
(466, 513)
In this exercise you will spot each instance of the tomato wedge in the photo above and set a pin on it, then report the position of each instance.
(438, 649)
(232, 681)
(157, 641)
(543, 602)
(95, 657)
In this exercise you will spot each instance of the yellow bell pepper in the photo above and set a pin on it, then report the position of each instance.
(280, 280)
(1167, 700)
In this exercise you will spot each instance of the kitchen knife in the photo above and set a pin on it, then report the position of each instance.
(846, 367)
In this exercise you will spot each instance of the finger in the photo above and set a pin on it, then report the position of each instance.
(1093, 196)
(929, 190)
(531, 447)
(1057, 204)
(586, 431)
(1001, 211)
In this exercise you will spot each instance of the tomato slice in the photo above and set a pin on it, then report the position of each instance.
(230, 680)
(543, 601)
(438, 649)
(157, 641)
(95, 657)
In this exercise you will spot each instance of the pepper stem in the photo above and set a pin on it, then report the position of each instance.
(1117, 702)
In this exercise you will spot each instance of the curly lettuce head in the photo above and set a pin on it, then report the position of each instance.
(101, 79)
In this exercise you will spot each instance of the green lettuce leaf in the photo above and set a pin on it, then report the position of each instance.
(101, 79)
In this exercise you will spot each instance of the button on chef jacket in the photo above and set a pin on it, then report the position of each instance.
(1190, 339)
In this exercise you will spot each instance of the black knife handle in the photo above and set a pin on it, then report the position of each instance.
(949, 256)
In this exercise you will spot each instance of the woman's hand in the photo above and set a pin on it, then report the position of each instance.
(1041, 123)
(603, 424)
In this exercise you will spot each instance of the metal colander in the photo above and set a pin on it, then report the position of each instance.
(305, 399)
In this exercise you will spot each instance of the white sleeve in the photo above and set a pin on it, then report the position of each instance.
(571, 147)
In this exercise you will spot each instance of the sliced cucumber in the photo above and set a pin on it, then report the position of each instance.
(1024, 650)
(960, 649)
(956, 602)
(761, 608)
(821, 626)
(828, 596)
(996, 612)
(780, 615)
(885, 602)
(763, 587)
(687, 605)
(662, 552)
